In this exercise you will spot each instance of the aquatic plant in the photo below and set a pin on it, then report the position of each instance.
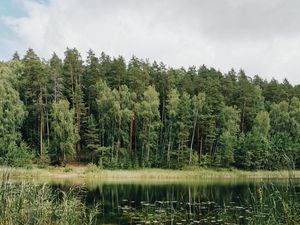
(25, 203)
(268, 205)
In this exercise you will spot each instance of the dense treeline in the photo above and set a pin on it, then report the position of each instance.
(115, 114)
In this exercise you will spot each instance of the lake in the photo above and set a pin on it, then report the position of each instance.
(194, 202)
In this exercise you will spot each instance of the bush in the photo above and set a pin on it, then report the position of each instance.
(67, 169)
(42, 165)
(18, 156)
(92, 168)
(205, 161)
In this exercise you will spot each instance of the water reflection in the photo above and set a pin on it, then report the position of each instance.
(201, 202)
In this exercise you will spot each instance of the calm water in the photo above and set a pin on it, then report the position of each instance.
(173, 203)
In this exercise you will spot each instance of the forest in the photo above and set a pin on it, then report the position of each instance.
(137, 114)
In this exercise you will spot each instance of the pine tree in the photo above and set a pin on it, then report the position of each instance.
(138, 76)
(91, 138)
(16, 56)
(91, 77)
(72, 72)
(34, 85)
(250, 101)
(56, 77)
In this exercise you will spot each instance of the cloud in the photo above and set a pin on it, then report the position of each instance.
(260, 36)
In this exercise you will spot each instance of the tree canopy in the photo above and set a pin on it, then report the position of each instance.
(121, 114)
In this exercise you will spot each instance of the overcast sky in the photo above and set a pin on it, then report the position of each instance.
(260, 36)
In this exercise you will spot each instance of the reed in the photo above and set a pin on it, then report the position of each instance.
(274, 206)
(25, 203)
(92, 171)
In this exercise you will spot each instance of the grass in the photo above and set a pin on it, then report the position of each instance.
(91, 171)
(27, 203)
(272, 206)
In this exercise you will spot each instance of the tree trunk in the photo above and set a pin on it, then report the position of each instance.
(130, 136)
(55, 89)
(193, 135)
(41, 123)
(200, 150)
(162, 141)
(41, 134)
(47, 125)
(135, 137)
(48, 130)
(168, 153)
(243, 118)
(78, 147)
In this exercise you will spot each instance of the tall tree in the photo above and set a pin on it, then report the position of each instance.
(91, 77)
(197, 106)
(16, 56)
(250, 101)
(64, 132)
(91, 139)
(281, 139)
(56, 77)
(184, 127)
(254, 152)
(72, 71)
(171, 122)
(34, 85)
(148, 114)
(228, 138)
(138, 76)
(127, 104)
(12, 114)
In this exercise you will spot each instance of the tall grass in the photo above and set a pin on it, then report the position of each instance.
(93, 172)
(26, 203)
(275, 206)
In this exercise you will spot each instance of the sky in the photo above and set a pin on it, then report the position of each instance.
(260, 36)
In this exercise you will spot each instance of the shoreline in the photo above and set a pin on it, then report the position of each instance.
(196, 174)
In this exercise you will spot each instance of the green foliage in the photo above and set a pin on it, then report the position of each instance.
(34, 94)
(12, 113)
(64, 133)
(184, 126)
(56, 77)
(228, 138)
(91, 138)
(68, 169)
(38, 204)
(148, 114)
(18, 156)
(171, 122)
(92, 168)
(144, 115)
(256, 146)
(72, 74)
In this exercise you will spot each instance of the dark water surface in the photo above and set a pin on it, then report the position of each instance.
(203, 202)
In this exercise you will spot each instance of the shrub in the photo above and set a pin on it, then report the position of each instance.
(67, 169)
(92, 168)
(18, 156)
